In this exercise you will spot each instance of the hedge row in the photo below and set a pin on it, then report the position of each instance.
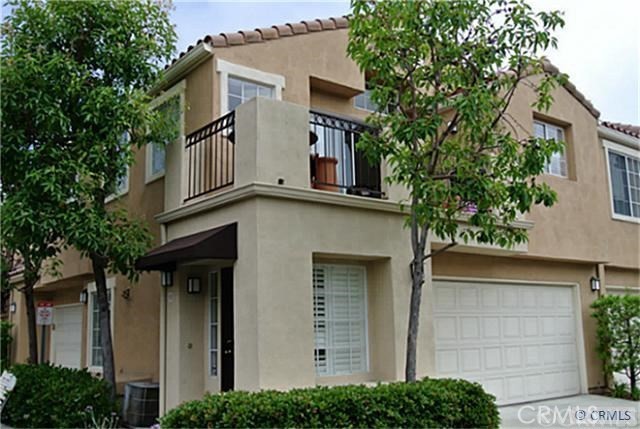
(425, 404)
(47, 396)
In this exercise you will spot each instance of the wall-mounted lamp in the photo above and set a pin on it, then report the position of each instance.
(193, 285)
(595, 284)
(126, 294)
(166, 278)
(84, 296)
(13, 307)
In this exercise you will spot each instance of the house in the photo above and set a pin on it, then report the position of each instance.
(73, 339)
(283, 256)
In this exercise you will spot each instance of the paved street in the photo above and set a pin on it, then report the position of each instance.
(572, 412)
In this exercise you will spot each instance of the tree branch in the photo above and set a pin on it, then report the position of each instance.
(439, 251)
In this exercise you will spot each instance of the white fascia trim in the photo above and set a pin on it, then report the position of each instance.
(226, 69)
(184, 65)
(618, 137)
(619, 147)
(179, 89)
(91, 287)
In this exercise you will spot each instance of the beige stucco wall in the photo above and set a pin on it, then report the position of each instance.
(273, 295)
(579, 226)
(321, 55)
(622, 277)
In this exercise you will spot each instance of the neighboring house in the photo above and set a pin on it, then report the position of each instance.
(74, 338)
(285, 258)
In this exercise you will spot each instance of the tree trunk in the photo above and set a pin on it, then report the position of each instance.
(632, 368)
(108, 367)
(418, 243)
(417, 280)
(32, 329)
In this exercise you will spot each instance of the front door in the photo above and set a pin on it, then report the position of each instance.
(226, 329)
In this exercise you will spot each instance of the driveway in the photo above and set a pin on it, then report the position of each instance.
(572, 412)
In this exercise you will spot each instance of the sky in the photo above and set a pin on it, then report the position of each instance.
(599, 47)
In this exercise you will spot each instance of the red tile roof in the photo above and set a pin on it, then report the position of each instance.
(260, 35)
(632, 130)
(550, 68)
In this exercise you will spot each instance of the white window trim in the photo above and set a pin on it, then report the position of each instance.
(91, 288)
(624, 150)
(178, 89)
(564, 152)
(226, 69)
(367, 366)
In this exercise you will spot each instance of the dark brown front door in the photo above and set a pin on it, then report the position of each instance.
(226, 328)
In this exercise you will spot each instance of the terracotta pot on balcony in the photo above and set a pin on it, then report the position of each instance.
(326, 173)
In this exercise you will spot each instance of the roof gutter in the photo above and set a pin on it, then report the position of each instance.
(619, 137)
(184, 65)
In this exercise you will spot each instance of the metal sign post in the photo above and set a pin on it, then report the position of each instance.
(44, 318)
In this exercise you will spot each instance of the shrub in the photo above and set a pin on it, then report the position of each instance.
(47, 396)
(618, 332)
(5, 344)
(426, 403)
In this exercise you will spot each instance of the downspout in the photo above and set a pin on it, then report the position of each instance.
(163, 384)
(601, 274)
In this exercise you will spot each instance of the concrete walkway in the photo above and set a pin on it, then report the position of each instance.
(580, 411)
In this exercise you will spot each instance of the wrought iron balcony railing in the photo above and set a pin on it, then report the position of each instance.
(336, 163)
(210, 153)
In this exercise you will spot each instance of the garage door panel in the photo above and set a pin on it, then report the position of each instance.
(67, 339)
(519, 341)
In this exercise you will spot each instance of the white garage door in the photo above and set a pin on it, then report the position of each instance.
(518, 341)
(66, 342)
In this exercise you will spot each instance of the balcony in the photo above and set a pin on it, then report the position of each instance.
(210, 153)
(336, 163)
(262, 141)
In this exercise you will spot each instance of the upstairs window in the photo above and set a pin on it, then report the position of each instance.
(557, 165)
(624, 173)
(122, 184)
(170, 112)
(169, 106)
(363, 101)
(240, 83)
(241, 90)
(122, 181)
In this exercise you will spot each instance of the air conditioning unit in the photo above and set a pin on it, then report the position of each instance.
(141, 404)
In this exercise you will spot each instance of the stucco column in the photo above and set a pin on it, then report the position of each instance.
(184, 378)
(272, 143)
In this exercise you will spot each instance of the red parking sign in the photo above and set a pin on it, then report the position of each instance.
(45, 313)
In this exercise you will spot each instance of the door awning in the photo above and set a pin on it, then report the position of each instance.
(216, 243)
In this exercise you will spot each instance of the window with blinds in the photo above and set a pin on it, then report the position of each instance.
(557, 165)
(340, 319)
